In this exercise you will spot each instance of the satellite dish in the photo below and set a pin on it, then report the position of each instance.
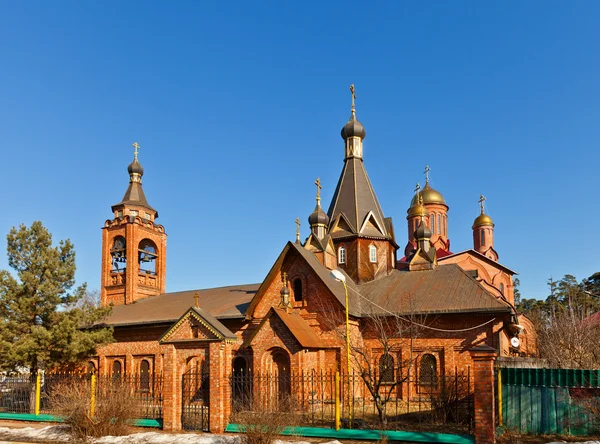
(515, 342)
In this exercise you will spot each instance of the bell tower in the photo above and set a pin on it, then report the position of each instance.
(134, 246)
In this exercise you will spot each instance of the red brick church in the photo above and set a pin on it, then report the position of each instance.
(291, 321)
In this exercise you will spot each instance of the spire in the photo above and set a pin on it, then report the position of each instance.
(134, 196)
(318, 220)
(354, 198)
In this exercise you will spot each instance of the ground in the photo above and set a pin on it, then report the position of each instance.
(36, 432)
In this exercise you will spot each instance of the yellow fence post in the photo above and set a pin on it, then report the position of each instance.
(93, 394)
(499, 396)
(337, 401)
(38, 392)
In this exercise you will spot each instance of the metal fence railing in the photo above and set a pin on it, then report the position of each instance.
(391, 401)
(19, 393)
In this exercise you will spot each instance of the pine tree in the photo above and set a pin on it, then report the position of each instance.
(43, 326)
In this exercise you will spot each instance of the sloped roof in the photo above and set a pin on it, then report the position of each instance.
(323, 273)
(208, 320)
(300, 329)
(135, 196)
(444, 289)
(222, 303)
(355, 198)
(478, 255)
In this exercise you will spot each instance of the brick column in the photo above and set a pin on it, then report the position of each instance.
(483, 357)
(220, 391)
(171, 390)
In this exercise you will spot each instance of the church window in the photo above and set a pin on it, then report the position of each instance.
(120, 214)
(428, 370)
(147, 216)
(439, 223)
(342, 255)
(482, 238)
(432, 223)
(298, 290)
(373, 254)
(502, 289)
(386, 368)
(117, 368)
(147, 257)
(118, 254)
(133, 213)
(144, 376)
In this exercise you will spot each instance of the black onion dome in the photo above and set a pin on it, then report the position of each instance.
(353, 129)
(318, 217)
(135, 168)
(422, 231)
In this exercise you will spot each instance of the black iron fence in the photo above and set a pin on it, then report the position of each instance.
(378, 401)
(18, 394)
(195, 407)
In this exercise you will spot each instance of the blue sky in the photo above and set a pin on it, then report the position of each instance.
(237, 108)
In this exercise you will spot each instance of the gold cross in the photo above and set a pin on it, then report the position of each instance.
(482, 199)
(135, 151)
(353, 91)
(284, 279)
(417, 187)
(427, 169)
(318, 184)
(196, 298)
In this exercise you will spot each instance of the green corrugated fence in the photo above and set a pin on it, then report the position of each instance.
(551, 401)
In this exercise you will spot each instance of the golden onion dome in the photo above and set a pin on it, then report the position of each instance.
(417, 209)
(483, 220)
(430, 196)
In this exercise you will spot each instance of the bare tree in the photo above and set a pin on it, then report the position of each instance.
(569, 339)
(381, 350)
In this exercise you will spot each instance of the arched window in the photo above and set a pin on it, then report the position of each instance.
(116, 369)
(298, 290)
(432, 223)
(386, 368)
(428, 370)
(482, 238)
(118, 254)
(439, 224)
(342, 255)
(373, 253)
(144, 376)
(502, 288)
(147, 256)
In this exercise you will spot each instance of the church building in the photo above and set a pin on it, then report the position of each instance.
(293, 321)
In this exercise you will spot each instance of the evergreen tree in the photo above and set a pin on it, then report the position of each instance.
(43, 325)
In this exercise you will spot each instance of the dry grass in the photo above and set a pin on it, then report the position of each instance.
(262, 423)
(114, 407)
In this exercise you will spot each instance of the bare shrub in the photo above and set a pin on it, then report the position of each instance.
(449, 401)
(115, 406)
(263, 422)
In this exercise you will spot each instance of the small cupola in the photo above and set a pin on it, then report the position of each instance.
(353, 132)
(284, 292)
(483, 233)
(318, 220)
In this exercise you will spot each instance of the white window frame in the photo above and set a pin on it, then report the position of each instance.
(342, 255)
(373, 254)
